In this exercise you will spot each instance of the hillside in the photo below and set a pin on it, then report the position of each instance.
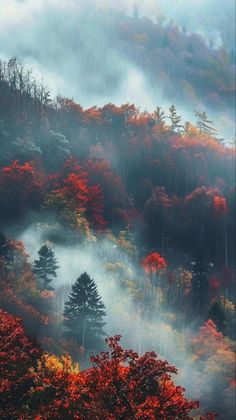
(119, 221)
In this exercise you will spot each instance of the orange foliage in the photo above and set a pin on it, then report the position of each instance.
(220, 205)
(208, 341)
(119, 385)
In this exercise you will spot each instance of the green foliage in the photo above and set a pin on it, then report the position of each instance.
(84, 312)
(175, 119)
(45, 268)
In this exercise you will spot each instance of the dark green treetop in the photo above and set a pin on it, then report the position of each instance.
(84, 312)
(46, 266)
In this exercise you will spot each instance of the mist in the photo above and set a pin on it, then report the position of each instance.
(75, 47)
(139, 329)
(91, 51)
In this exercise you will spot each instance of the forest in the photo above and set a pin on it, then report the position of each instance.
(117, 237)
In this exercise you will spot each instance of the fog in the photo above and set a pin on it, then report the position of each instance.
(73, 46)
(140, 330)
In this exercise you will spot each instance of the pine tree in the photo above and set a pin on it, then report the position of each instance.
(204, 125)
(84, 312)
(45, 268)
(159, 117)
(175, 119)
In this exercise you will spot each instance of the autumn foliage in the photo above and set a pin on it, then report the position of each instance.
(116, 174)
(153, 263)
(20, 189)
(120, 384)
(17, 355)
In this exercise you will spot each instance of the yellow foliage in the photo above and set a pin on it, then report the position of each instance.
(227, 304)
(53, 364)
(124, 242)
(83, 225)
(191, 131)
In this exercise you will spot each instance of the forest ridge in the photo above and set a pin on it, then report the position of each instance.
(148, 199)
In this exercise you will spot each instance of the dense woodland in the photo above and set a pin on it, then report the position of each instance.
(156, 190)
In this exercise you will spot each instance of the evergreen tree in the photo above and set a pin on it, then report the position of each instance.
(175, 119)
(45, 268)
(84, 312)
(159, 117)
(204, 125)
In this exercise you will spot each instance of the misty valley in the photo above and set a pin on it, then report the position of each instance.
(117, 214)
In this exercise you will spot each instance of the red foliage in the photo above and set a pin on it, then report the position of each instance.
(72, 186)
(201, 197)
(119, 385)
(17, 355)
(31, 316)
(20, 188)
(95, 207)
(153, 263)
(214, 283)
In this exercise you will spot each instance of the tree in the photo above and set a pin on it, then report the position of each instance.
(46, 266)
(120, 385)
(175, 119)
(200, 284)
(214, 357)
(84, 312)
(159, 117)
(204, 124)
(158, 211)
(18, 354)
(20, 190)
(153, 264)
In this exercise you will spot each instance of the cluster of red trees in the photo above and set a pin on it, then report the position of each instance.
(120, 384)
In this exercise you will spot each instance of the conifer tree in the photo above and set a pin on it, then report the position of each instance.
(45, 268)
(159, 117)
(84, 312)
(175, 119)
(204, 125)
